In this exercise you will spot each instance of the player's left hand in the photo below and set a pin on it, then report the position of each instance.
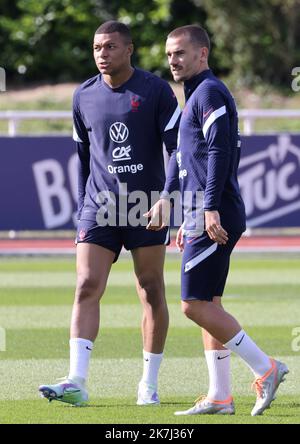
(214, 228)
(179, 239)
(159, 215)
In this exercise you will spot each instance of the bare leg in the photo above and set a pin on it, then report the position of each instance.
(93, 267)
(222, 326)
(227, 331)
(148, 265)
(213, 318)
(209, 342)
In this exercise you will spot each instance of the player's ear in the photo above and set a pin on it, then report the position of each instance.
(204, 54)
(130, 49)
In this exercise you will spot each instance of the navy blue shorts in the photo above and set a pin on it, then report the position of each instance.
(205, 266)
(114, 238)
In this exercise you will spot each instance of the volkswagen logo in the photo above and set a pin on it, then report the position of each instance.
(118, 132)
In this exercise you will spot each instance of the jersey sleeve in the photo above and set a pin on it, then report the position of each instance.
(80, 136)
(169, 117)
(214, 119)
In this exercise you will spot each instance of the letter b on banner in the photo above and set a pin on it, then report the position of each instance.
(54, 198)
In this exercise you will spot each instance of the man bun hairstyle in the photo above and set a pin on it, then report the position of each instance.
(198, 36)
(114, 26)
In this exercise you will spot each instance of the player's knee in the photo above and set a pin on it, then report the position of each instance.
(186, 309)
(88, 288)
(151, 290)
(197, 312)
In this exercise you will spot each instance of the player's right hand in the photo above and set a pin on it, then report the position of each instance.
(179, 240)
(214, 228)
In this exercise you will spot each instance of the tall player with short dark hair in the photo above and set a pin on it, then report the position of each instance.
(208, 157)
(122, 117)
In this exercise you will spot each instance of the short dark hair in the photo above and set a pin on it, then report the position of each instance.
(114, 26)
(198, 36)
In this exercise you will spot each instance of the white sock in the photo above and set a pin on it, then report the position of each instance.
(152, 363)
(80, 352)
(218, 363)
(255, 358)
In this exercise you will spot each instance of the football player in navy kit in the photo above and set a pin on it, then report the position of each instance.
(208, 157)
(122, 117)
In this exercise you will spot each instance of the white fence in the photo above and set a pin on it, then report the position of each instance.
(247, 116)
(15, 117)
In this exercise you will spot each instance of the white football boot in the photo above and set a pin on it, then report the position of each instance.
(147, 394)
(206, 406)
(267, 385)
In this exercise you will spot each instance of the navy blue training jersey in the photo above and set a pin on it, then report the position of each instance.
(209, 149)
(120, 134)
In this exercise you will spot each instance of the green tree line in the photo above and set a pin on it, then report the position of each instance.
(253, 41)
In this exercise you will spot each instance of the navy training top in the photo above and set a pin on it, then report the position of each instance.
(208, 152)
(120, 134)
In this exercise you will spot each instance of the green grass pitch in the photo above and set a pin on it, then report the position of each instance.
(35, 306)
